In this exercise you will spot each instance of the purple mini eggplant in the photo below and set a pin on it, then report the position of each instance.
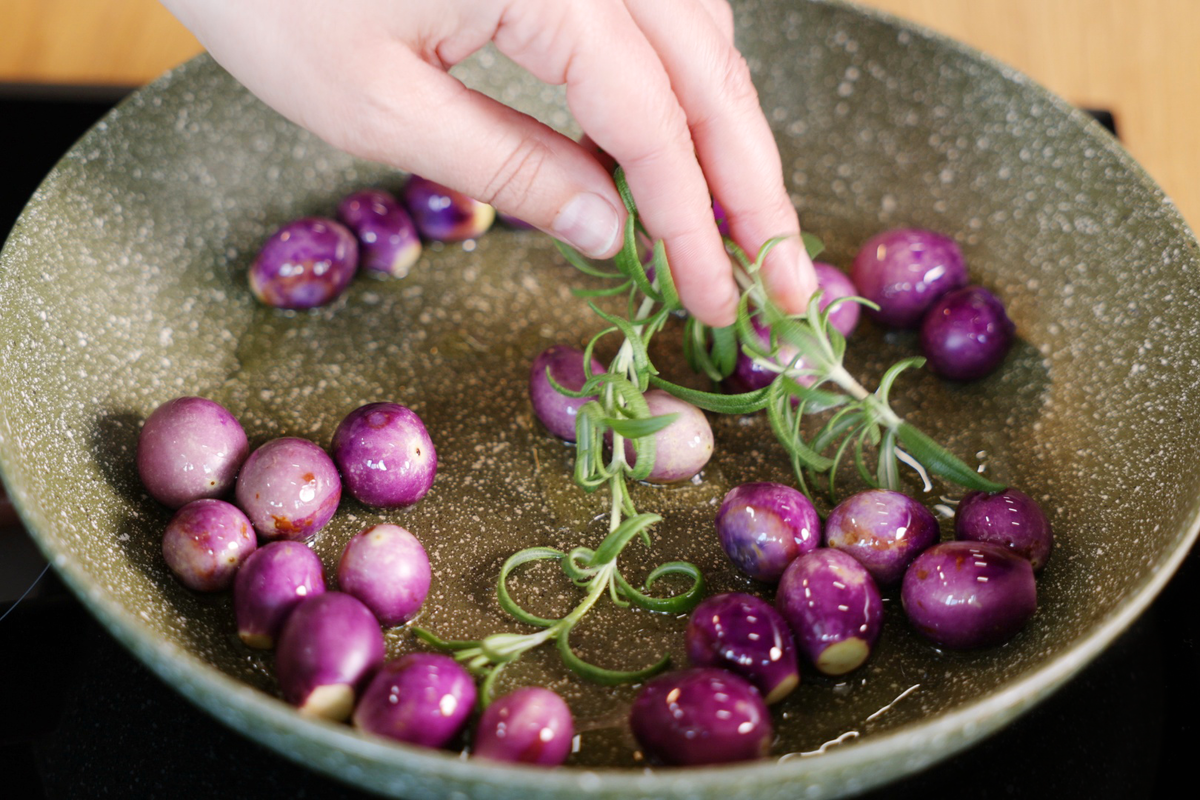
(386, 568)
(883, 530)
(749, 375)
(837, 284)
(764, 526)
(274, 580)
(529, 726)
(289, 488)
(745, 635)
(966, 334)
(964, 595)
(304, 264)
(205, 543)
(557, 411)
(701, 716)
(682, 448)
(515, 223)
(190, 448)
(443, 214)
(328, 649)
(420, 698)
(388, 243)
(720, 217)
(385, 454)
(1010, 518)
(834, 608)
(904, 271)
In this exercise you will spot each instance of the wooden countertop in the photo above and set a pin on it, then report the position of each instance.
(1137, 58)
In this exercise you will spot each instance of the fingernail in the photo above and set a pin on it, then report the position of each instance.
(588, 223)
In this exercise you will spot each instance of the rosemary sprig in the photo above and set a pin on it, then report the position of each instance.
(806, 352)
(602, 426)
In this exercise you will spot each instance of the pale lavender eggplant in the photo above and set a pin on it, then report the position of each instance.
(837, 284)
(329, 647)
(745, 635)
(274, 580)
(883, 530)
(904, 271)
(386, 568)
(557, 411)
(1010, 518)
(420, 698)
(443, 214)
(683, 447)
(966, 595)
(764, 526)
(529, 726)
(385, 454)
(966, 334)
(190, 448)
(388, 242)
(289, 488)
(834, 609)
(700, 716)
(307, 263)
(205, 543)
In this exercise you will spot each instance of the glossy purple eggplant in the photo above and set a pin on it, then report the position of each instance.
(529, 726)
(420, 698)
(516, 223)
(557, 411)
(388, 242)
(883, 530)
(745, 635)
(385, 454)
(329, 647)
(904, 271)
(700, 716)
(966, 334)
(749, 375)
(386, 568)
(720, 217)
(443, 214)
(965, 595)
(289, 488)
(304, 264)
(190, 448)
(683, 447)
(274, 580)
(834, 609)
(764, 526)
(206, 542)
(1010, 518)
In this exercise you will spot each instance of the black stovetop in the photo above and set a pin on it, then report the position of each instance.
(79, 716)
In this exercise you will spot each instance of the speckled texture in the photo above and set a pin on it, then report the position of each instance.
(123, 285)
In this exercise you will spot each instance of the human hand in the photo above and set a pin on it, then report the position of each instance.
(657, 84)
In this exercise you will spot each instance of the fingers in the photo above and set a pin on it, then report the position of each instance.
(722, 16)
(733, 140)
(621, 95)
(495, 154)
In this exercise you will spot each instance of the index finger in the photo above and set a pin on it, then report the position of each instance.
(622, 96)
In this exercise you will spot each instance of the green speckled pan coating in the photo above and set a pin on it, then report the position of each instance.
(124, 285)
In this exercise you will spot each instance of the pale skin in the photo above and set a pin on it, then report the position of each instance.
(656, 84)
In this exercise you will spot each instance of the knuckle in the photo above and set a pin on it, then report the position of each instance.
(514, 182)
(734, 80)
